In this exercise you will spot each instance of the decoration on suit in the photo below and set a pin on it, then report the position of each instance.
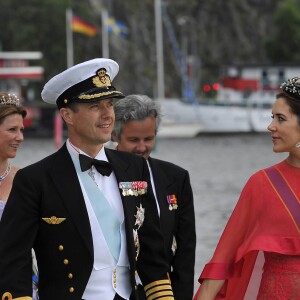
(54, 220)
(140, 217)
(134, 188)
(172, 200)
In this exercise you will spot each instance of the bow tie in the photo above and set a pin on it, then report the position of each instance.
(103, 167)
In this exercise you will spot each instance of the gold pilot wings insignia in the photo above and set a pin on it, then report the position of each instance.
(53, 220)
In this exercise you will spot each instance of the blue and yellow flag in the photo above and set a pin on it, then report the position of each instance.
(116, 27)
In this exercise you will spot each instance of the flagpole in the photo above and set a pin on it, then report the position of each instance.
(69, 34)
(58, 124)
(159, 51)
(105, 40)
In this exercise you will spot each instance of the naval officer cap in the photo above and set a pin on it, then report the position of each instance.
(86, 82)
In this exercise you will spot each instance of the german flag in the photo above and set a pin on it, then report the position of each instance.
(81, 26)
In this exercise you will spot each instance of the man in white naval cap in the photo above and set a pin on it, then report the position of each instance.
(88, 212)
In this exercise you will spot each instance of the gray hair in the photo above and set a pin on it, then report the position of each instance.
(135, 107)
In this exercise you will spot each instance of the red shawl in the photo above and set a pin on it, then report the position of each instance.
(261, 221)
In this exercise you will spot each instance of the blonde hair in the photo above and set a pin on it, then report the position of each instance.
(10, 105)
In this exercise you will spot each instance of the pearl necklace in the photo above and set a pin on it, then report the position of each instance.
(6, 172)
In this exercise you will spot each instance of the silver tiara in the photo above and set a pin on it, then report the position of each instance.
(9, 99)
(292, 87)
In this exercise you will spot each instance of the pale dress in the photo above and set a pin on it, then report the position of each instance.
(34, 293)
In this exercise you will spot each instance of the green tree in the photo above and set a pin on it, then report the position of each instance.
(283, 46)
(217, 33)
(41, 26)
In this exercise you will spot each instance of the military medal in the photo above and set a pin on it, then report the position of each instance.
(172, 202)
(125, 187)
(134, 188)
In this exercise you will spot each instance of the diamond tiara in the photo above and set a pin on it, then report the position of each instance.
(292, 87)
(9, 99)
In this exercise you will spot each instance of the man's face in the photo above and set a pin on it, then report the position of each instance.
(138, 136)
(91, 124)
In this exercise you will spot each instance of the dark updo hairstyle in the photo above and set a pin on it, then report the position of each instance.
(10, 105)
(291, 93)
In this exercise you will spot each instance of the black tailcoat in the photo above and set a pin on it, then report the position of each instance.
(64, 251)
(170, 179)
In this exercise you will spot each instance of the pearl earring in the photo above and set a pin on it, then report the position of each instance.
(298, 145)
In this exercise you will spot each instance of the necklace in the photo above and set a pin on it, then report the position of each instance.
(6, 172)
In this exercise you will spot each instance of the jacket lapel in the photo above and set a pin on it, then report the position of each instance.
(162, 187)
(66, 181)
(161, 181)
(120, 166)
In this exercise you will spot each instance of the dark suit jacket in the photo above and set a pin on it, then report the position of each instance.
(65, 251)
(170, 179)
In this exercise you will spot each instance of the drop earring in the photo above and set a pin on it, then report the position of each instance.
(298, 145)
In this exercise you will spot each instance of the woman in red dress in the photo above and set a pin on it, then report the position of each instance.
(258, 255)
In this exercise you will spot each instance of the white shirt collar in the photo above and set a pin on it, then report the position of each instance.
(76, 151)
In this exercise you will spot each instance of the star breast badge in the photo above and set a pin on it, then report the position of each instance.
(140, 216)
(139, 220)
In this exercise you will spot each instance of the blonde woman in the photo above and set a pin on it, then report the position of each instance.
(11, 137)
(12, 115)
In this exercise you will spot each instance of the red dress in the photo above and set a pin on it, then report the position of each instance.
(260, 224)
(280, 279)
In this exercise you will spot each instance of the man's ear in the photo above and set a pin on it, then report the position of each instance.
(66, 115)
(114, 137)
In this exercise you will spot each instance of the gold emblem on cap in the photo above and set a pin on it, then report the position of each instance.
(102, 79)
